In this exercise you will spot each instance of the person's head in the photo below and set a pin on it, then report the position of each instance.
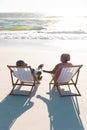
(65, 57)
(21, 63)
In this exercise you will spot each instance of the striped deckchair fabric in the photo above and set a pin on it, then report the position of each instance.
(68, 76)
(22, 76)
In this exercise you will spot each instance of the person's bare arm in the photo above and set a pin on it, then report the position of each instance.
(47, 71)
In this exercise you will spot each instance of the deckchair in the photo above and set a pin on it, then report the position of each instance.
(22, 76)
(68, 76)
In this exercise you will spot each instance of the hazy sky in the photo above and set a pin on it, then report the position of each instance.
(58, 7)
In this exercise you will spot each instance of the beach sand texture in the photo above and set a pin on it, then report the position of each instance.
(45, 109)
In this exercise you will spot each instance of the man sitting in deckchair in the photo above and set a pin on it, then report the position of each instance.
(37, 72)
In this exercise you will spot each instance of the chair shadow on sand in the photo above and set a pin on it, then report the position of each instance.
(12, 107)
(64, 112)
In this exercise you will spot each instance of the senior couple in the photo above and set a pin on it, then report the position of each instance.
(64, 58)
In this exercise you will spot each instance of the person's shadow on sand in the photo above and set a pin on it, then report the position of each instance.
(63, 112)
(11, 108)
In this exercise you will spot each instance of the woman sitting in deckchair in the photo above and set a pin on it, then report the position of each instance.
(57, 69)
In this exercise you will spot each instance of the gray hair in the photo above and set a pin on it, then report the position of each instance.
(65, 57)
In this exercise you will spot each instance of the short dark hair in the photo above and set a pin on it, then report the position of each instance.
(20, 63)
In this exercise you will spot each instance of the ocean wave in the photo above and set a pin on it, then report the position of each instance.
(22, 28)
(38, 26)
(68, 32)
(42, 36)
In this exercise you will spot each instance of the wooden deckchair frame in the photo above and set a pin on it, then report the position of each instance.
(72, 81)
(17, 82)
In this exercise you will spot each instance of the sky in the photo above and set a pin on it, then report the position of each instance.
(53, 7)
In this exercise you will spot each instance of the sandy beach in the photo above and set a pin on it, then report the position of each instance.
(45, 109)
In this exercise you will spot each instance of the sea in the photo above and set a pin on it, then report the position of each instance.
(42, 26)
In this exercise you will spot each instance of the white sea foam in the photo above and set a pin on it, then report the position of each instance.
(42, 35)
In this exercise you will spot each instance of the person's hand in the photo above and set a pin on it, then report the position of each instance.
(40, 66)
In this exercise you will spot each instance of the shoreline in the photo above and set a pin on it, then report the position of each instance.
(50, 45)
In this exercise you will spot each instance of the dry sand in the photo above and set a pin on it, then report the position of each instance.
(44, 110)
